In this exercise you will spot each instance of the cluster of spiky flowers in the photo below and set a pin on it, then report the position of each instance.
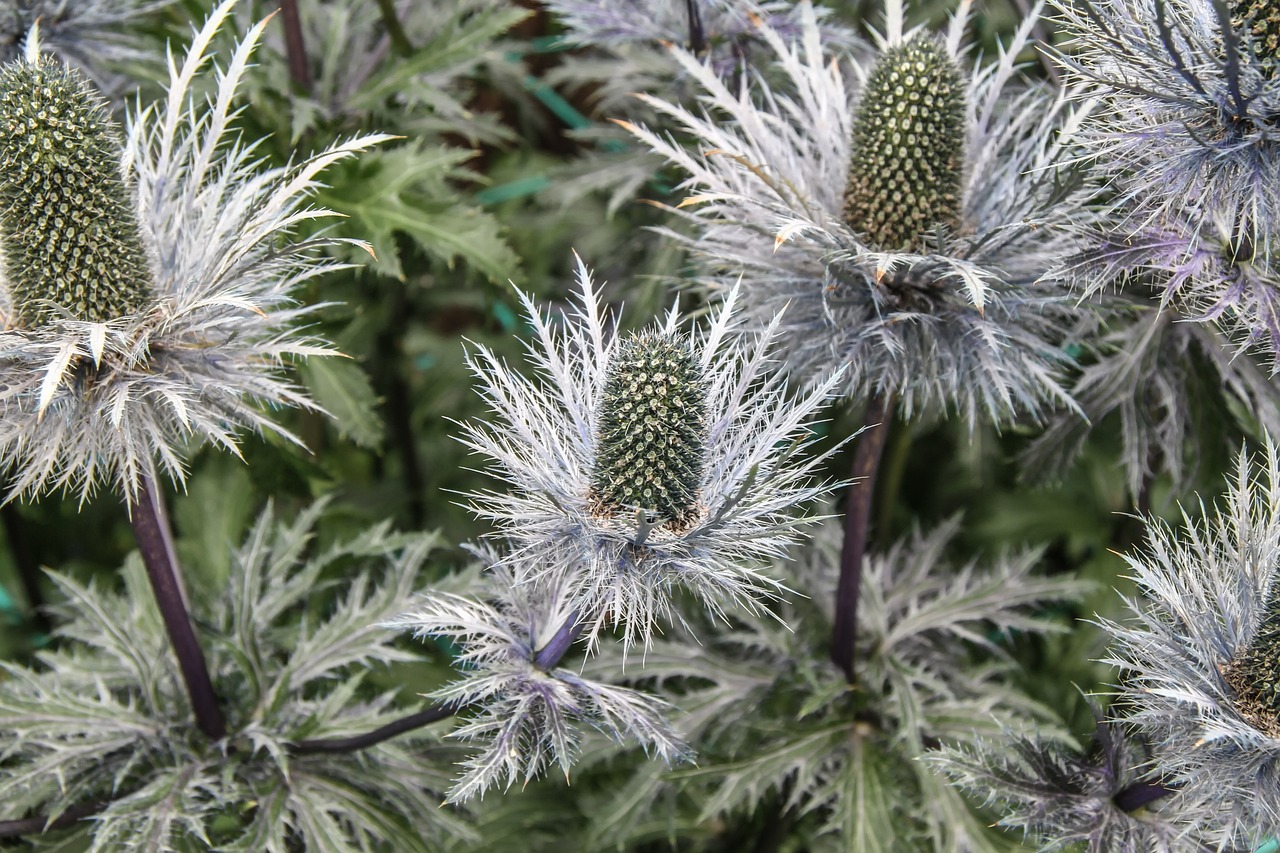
(1187, 132)
(93, 35)
(1199, 660)
(905, 221)
(778, 722)
(147, 291)
(522, 709)
(102, 719)
(646, 463)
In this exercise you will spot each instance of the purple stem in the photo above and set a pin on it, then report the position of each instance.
(1139, 794)
(866, 461)
(39, 824)
(295, 47)
(155, 544)
(550, 654)
(397, 727)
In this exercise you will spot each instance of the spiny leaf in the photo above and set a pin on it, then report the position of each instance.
(343, 389)
(405, 191)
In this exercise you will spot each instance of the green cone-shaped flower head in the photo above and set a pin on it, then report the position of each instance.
(67, 222)
(1261, 20)
(907, 163)
(650, 442)
(1254, 674)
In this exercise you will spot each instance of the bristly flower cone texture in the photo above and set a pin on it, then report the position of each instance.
(1254, 674)
(651, 431)
(67, 223)
(906, 165)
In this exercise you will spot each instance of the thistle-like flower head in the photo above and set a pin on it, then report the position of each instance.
(646, 462)
(524, 716)
(904, 208)
(146, 289)
(1199, 658)
(92, 35)
(1190, 102)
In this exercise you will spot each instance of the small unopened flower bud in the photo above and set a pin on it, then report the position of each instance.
(651, 430)
(1254, 675)
(67, 222)
(1261, 20)
(906, 167)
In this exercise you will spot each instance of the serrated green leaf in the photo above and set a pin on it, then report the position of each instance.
(462, 42)
(866, 800)
(405, 191)
(342, 388)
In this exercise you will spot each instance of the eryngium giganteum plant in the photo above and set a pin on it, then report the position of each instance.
(1060, 796)
(92, 35)
(903, 209)
(522, 712)
(1189, 101)
(146, 287)
(646, 463)
(102, 720)
(1198, 660)
(1188, 134)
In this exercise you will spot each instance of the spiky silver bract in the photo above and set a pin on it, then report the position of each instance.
(92, 35)
(1189, 107)
(1161, 378)
(1187, 135)
(754, 484)
(1060, 796)
(1207, 590)
(102, 715)
(1202, 266)
(960, 320)
(86, 403)
(526, 717)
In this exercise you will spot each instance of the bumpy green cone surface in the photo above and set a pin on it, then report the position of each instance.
(1254, 675)
(907, 164)
(67, 222)
(650, 441)
(1261, 19)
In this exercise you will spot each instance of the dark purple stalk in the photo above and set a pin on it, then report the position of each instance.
(155, 544)
(40, 824)
(294, 45)
(550, 654)
(396, 727)
(395, 31)
(1140, 794)
(697, 35)
(866, 461)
